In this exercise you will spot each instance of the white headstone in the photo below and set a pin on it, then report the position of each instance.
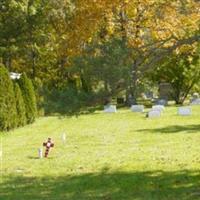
(40, 153)
(137, 108)
(195, 102)
(110, 109)
(154, 113)
(184, 111)
(162, 102)
(158, 108)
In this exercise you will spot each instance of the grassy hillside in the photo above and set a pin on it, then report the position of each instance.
(106, 157)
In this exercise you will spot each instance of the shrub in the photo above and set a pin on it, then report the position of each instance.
(28, 94)
(20, 106)
(66, 101)
(7, 101)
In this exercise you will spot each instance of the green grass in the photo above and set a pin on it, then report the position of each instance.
(122, 156)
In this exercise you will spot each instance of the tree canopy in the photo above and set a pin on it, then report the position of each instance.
(49, 40)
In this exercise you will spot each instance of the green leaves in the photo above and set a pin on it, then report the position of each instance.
(182, 72)
(8, 115)
(28, 94)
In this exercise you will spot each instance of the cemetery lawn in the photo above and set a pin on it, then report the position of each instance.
(122, 156)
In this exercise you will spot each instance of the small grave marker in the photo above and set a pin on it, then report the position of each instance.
(184, 111)
(154, 114)
(162, 102)
(40, 153)
(110, 109)
(48, 145)
(137, 108)
(160, 108)
(195, 102)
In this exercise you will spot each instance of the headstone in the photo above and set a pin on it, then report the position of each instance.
(110, 109)
(149, 95)
(165, 90)
(160, 108)
(195, 101)
(162, 102)
(137, 108)
(154, 114)
(40, 153)
(184, 111)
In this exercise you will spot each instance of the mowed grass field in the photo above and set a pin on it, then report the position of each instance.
(122, 156)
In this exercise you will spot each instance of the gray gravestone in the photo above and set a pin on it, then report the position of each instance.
(184, 111)
(110, 109)
(160, 108)
(154, 114)
(195, 101)
(137, 108)
(162, 102)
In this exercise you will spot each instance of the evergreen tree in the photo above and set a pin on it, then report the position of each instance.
(7, 101)
(28, 94)
(20, 106)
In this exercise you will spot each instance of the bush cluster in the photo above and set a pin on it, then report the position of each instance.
(17, 101)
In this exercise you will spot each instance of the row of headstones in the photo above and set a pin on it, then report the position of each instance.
(155, 111)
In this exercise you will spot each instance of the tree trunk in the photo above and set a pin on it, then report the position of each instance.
(7, 61)
(85, 86)
(135, 66)
(134, 86)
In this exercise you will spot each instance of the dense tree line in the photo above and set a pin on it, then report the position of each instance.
(79, 53)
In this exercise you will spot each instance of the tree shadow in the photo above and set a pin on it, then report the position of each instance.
(148, 185)
(174, 129)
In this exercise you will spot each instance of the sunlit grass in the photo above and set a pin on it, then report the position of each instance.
(106, 156)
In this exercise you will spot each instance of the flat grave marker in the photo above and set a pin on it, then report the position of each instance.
(137, 108)
(160, 108)
(110, 109)
(162, 102)
(184, 111)
(195, 102)
(154, 114)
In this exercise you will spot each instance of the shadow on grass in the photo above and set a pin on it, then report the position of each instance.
(174, 129)
(33, 157)
(149, 185)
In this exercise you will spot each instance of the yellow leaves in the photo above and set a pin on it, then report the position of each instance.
(183, 49)
(187, 49)
(176, 22)
(191, 22)
(142, 21)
